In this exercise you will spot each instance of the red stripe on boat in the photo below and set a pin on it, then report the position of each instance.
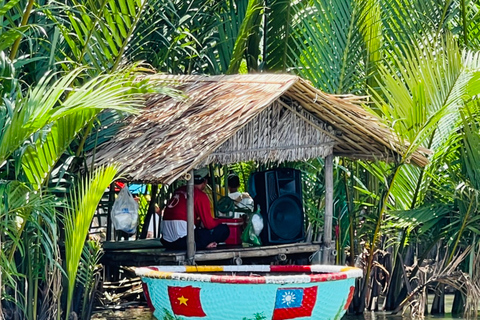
(327, 277)
(238, 279)
(290, 269)
(147, 297)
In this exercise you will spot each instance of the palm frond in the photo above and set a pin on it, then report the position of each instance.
(84, 202)
(65, 117)
(278, 15)
(329, 45)
(422, 218)
(32, 113)
(422, 93)
(114, 91)
(102, 30)
(229, 22)
(408, 22)
(250, 22)
(470, 23)
(470, 151)
(40, 157)
(88, 273)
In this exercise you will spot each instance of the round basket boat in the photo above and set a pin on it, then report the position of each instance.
(249, 292)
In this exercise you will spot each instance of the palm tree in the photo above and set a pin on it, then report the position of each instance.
(37, 130)
(422, 105)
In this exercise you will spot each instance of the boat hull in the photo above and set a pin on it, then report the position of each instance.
(232, 297)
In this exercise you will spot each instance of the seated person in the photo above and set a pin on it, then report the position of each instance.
(208, 231)
(243, 201)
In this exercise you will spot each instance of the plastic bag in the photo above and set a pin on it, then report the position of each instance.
(251, 233)
(125, 212)
(257, 224)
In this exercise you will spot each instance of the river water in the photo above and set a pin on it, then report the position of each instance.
(143, 313)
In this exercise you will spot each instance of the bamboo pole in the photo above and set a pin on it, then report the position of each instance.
(151, 214)
(190, 221)
(111, 200)
(214, 188)
(328, 220)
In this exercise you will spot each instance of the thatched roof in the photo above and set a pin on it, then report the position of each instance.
(239, 118)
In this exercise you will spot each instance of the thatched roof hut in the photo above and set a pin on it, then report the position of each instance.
(235, 118)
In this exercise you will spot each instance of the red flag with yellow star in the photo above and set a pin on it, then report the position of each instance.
(185, 301)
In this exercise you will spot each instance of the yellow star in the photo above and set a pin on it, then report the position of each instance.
(183, 300)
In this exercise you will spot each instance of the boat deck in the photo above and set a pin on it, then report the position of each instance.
(151, 252)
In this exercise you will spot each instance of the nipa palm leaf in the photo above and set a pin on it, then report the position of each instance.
(83, 204)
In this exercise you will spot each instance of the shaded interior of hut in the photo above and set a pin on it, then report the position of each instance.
(262, 205)
(275, 194)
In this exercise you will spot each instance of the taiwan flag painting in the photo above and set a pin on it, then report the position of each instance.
(185, 301)
(291, 303)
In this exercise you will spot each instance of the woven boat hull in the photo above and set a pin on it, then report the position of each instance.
(208, 296)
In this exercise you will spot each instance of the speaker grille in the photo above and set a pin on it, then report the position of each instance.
(271, 187)
(278, 193)
(285, 217)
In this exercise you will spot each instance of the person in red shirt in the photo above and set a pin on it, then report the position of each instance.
(208, 230)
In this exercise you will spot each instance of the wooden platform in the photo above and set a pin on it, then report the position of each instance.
(151, 252)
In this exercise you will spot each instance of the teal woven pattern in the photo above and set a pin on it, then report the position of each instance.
(218, 301)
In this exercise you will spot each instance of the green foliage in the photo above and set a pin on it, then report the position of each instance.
(243, 170)
(423, 218)
(331, 46)
(88, 274)
(247, 30)
(102, 31)
(29, 245)
(38, 127)
(84, 202)
(169, 316)
(256, 316)
(277, 34)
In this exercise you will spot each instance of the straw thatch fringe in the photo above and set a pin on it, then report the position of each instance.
(277, 134)
(243, 117)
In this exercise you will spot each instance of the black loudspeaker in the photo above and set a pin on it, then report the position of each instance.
(278, 192)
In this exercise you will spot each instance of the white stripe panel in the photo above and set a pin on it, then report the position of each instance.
(247, 268)
(171, 268)
(354, 273)
(288, 279)
(192, 277)
(325, 268)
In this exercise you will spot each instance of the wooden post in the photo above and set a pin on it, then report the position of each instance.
(328, 221)
(214, 189)
(151, 214)
(190, 221)
(111, 200)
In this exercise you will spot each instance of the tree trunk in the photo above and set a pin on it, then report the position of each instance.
(438, 304)
(358, 302)
(458, 305)
(374, 293)
(396, 290)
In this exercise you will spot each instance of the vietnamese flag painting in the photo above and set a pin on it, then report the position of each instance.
(291, 303)
(185, 301)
